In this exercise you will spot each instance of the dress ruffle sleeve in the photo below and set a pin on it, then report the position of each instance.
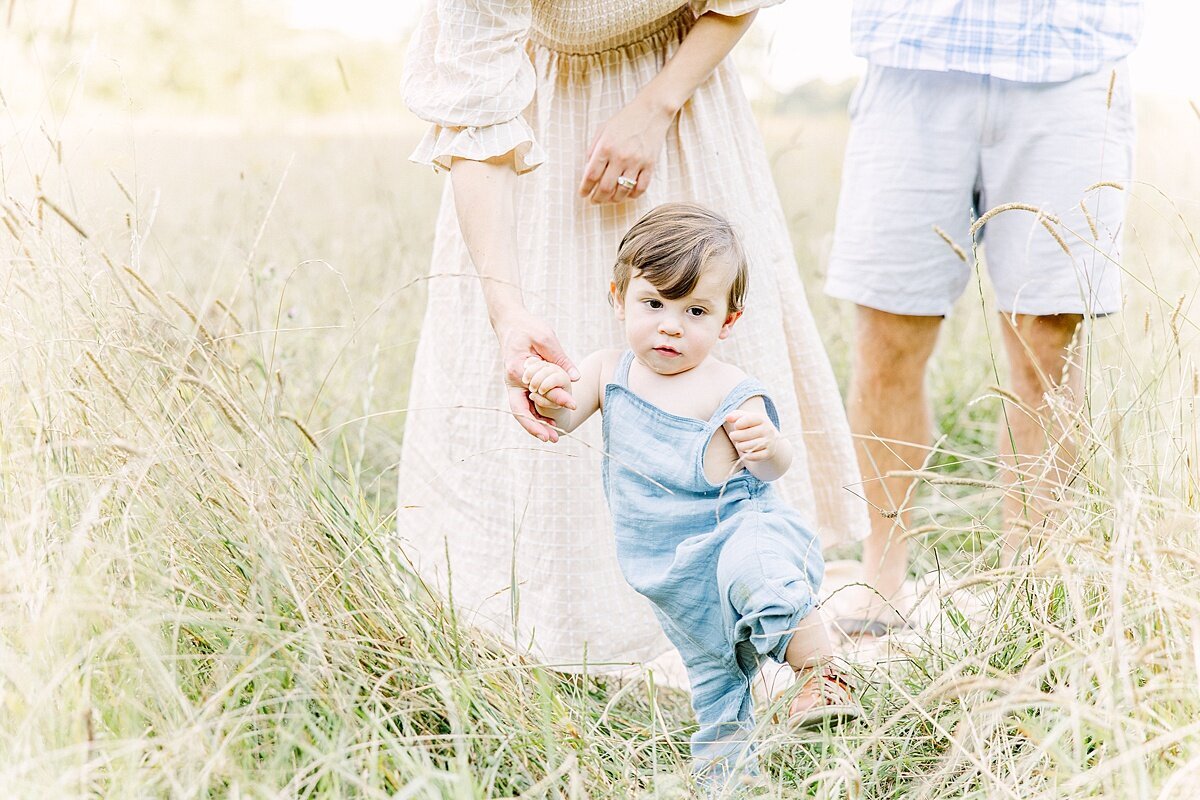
(467, 73)
(731, 8)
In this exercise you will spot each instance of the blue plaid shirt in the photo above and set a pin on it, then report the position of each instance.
(1021, 40)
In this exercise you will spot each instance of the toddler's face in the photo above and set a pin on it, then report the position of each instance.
(672, 336)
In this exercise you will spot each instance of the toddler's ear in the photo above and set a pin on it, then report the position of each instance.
(617, 302)
(727, 328)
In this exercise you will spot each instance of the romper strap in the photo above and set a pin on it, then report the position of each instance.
(620, 374)
(740, 394)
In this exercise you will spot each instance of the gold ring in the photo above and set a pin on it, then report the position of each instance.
(628, 183)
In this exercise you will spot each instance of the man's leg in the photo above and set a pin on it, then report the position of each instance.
(889, 417)
(1037, 446)
(1059, 141)
(912, 163)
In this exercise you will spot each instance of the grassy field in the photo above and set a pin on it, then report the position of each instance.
(206, 337)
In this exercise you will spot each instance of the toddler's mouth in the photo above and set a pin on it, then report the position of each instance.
(670, 352)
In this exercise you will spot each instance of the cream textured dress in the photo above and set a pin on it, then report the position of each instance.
(514, 531)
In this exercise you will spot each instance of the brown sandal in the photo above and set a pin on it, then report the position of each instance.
(834, 702)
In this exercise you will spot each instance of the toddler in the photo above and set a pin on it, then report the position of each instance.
(691, 447)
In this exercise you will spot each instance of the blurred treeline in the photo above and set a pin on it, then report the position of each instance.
(184, 57)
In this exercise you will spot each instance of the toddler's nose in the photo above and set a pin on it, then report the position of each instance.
(669, 326)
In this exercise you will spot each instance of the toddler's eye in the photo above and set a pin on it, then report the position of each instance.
(654, 303)
(696, 311)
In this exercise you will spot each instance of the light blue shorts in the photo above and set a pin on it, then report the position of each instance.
(939, 149)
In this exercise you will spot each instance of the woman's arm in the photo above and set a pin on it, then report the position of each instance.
(629, 143)
(484, 200)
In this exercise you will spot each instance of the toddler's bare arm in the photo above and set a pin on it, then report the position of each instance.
(759, 444)
(542, 377)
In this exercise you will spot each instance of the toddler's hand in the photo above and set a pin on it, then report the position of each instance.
(540, 378)
(752, 434)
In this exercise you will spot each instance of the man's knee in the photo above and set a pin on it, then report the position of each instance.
(892, 350)
(1039, 349)
(1043, 330)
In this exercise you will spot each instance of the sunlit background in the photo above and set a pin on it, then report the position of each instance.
(265, 62)
(810, 40)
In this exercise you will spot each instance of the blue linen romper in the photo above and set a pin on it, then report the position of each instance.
(730, 569)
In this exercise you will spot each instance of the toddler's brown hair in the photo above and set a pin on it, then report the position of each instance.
(669, 247)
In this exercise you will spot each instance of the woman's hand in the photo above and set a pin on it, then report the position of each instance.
(629, 143)
(484, 199)
(626, 146)
(522, 336)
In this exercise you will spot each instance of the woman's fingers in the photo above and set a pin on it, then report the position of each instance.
(610, 188)
(527, 344)
(548, 348)
(606, 187)
(602, 180)
(643, 182)
(627, 183)
(522, 408)
(593, 171)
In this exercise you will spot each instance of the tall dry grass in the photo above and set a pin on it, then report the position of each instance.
(199, 602)
(204, 371)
